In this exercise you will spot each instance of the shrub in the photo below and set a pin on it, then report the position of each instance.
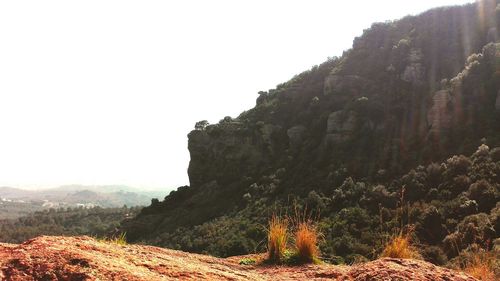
(482, 265)
(457, 165)
(306, 242)
(484, 194)
(435, 255)
(277, 236)
(400, 247)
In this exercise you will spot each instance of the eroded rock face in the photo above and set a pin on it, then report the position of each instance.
(497, 103)
(341, 122)
(439, 116)
(296, 135)
(340, 125)
(266, 132)
(223, 155)
(414, 71)
(345, 84)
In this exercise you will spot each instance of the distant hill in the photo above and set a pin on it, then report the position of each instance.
(15, 202)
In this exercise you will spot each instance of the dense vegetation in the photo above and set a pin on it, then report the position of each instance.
(451, 205)
(366, 139)
(97, 221)
(12, 210)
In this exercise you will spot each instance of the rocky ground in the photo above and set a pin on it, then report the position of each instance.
(84, 258)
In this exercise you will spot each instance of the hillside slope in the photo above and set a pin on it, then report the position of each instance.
(83, 258)
(356, 138)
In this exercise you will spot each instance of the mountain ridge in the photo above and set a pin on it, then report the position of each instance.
(356, 137)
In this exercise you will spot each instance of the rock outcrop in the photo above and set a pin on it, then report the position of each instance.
(340, 125)
(439, 116)
(84, 258)
(414, 71)
(296, 135)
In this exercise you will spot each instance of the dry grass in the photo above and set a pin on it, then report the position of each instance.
(277, 236)
(117, 239)
(306, 242)
(400, 247)
(481, 265)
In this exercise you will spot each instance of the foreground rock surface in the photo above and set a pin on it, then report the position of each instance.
(84, 258)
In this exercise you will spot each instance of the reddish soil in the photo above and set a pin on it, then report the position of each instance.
(84, 258)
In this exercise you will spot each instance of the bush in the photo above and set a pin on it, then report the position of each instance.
(484, 194)
(435, 255)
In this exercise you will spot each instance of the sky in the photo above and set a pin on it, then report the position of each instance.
(105, 92)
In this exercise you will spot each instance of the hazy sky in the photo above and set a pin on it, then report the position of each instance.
(105, 92)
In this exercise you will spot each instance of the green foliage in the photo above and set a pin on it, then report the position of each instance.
(248, 261)
(97, 222)
(201, 125)
(355, 217)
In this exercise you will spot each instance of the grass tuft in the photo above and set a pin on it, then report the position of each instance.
(481, 265)
(400, 247)
(119, 239)
(247, 261)
(306, 242)
(277, 236)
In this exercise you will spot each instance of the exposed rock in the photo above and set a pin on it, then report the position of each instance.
(492, 35)
(404, 269)
(84, 258)
(340, 122)
(414, 71)
(439, 116)
(219, 153)
(267, 130)
(340, 125)
(295, 135)
(497, 103)
(345, 84)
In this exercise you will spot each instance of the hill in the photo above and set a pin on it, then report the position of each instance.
(83, 258)
(402, 129)
(17, 202)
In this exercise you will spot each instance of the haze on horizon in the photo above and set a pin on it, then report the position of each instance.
(105, 92)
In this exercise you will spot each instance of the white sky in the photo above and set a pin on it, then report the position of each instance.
(105, 92)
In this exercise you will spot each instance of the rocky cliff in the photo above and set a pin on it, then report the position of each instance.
(340, 136)
(408, 92)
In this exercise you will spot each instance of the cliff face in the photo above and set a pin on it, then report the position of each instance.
(83, 258)
(408, 93)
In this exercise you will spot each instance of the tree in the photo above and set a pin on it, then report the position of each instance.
(201, 125)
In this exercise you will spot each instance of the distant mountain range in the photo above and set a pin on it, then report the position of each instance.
(78, 195)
